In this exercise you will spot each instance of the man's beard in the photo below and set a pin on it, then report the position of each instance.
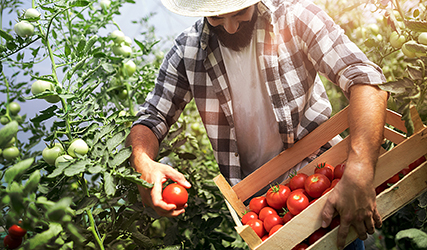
(238, 40)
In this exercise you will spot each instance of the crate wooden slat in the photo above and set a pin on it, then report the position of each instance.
(309, 220)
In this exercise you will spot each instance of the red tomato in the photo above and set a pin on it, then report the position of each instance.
(264, 237)
(315, 184)
(416, 163)
(302, 191)
(266, 211)
(395, 178)
(319, 233)
(405, 171)
(16, 231)
(175, 194)
(339, 171)
(297, 202)
(277, 195)
(11, 242)
(258, 226)
(300, 246)
(274, 229)
(327, 190)
(287, 216)
(257, 203)
(271, 221)
(335, 222)
(249, 216)
(381, 188)
(297, 181)
(325, 169)
(334, 182)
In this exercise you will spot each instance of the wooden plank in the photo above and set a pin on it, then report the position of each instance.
(388, 202)
(395, 119)
(415, 117)
(291, 156)
(393, 135)
(230, 195)
(249, 236)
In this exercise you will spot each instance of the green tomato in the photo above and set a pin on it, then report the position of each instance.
(14, 108)
(122, 50)
(127, 41)
(4, 120)
(123, 94)
(422, 38)
(196, 128)
(105, 4)
(11, 143)
(397, 40)
(374, 28)
(406, 51)
(117, 36)
(10, 153)
(32, 14)
(78, 146)
(62, 159)
(24, 29)
(51, 154)
(129, 68)
(41, 86)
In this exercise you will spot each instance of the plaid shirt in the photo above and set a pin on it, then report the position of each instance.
(296, 40)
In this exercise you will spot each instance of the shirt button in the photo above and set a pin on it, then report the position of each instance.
(236, 154)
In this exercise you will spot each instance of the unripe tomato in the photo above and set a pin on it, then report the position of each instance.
(129, 68)
(105, 4)
(4, 120)
(14, 108)
(122, 50)
(175, 194)
(406, 51)
(62, 158)
(127, 41)
(50, 154)
(422, 38)
(77, 146)
(397, 40)
(41, 86)
(10, 143)
(32, 14)
(117, 36)
(16, 231)
(123, 94)
(12, 243)
(10, 153)
(24, 29)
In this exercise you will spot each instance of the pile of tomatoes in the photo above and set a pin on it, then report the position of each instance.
(281, 203)
(14, 239)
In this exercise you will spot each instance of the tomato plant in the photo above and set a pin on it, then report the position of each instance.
(175, 194)
(316, 184)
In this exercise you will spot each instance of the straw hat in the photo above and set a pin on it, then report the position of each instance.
(202, 8)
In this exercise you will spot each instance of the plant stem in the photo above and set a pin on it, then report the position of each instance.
(94, 229)
(7, 96)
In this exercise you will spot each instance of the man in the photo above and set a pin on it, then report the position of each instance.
(252, 68)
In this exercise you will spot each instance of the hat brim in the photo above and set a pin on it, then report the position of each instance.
(206, 8)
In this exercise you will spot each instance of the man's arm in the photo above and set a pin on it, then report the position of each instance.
(145, 147)
(354, 196)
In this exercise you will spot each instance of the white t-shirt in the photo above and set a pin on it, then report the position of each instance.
(257, 131)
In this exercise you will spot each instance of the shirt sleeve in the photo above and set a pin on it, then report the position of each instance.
(332, 53)
(171, 93)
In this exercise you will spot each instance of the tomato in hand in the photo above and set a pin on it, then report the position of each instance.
(319, 233)
(16, 231)
(297, 202)
(175, 194)
(258, 226)
(297, 181)
(11, 242)
(325, 169)
(266, 211)
(339, 171)
(277, 196)
(315, 184)
(248, 216)
(257, 203)
(271, 221)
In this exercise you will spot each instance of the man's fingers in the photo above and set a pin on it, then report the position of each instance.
(377, 219)
(342, 234)
(327, 214)
(178, 177)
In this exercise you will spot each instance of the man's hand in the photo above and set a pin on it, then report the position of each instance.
(145, 147)
(354, 199)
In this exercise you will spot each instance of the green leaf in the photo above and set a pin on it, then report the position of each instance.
(17, 169)
(43, 238)
(95, 169)
(5, 35)
(417, 237)
(116, 140)
(81, 45)
(86, 203)
(416, 25)
(109, 185)
(76, 168)
(120, 157)
(212, 223)
(33, 182)
(398, 87)
(45, 114)
(415, 73)
(135, 179)
(103, 131)
(78, 3)
(108, 67)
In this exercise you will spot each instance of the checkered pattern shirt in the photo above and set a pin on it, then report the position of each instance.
(296, 41)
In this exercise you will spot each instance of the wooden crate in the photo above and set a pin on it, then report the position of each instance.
(304, 224)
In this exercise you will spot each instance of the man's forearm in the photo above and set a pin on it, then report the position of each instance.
(143, 142)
